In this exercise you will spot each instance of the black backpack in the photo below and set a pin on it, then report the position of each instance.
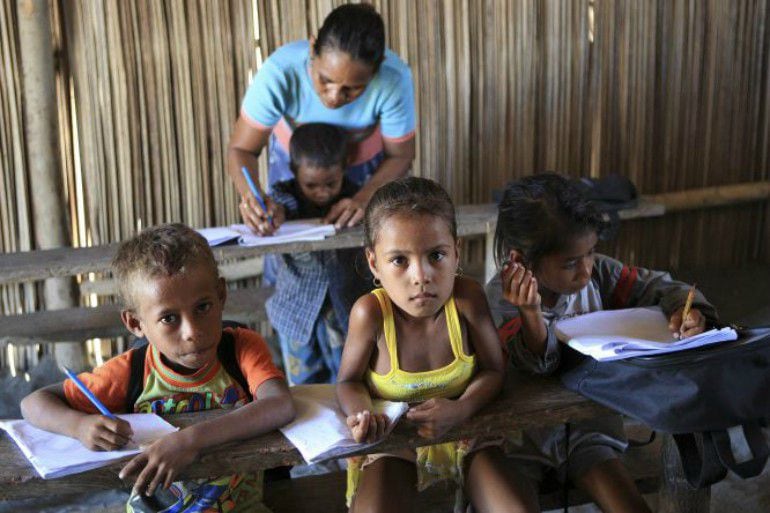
(696, 395)
(609, 195)
(225, 354)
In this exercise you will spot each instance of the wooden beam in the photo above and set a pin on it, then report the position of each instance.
(709, 197)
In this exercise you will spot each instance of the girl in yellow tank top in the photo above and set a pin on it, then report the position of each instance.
(425, 337)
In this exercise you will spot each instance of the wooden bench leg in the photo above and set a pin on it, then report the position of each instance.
(676, 495)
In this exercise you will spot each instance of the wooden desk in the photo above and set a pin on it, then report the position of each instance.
(527, 403)
(472, 220)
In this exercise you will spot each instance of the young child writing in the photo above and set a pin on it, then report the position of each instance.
(314, 291)
(545, 240)
(174, 298)
(425, 336)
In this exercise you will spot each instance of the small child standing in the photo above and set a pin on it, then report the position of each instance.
(174, 297)
(545, 240)
(314, 291)
(446, 357)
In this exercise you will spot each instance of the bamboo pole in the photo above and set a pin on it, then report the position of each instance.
(707, 197)
(40, 131)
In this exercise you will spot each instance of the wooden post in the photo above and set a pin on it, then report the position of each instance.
(41, 142)
(676, 495)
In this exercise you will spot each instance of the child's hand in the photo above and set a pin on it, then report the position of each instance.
(367, 427)
(160, 463)
(100, 433)
(345, 213)
(693, 325)
(435, 417)
(520, 286)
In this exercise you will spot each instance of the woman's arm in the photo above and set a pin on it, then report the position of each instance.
(352, 393)
(246, 143)
(398, 159)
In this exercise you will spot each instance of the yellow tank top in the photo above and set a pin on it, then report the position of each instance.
(399, 385)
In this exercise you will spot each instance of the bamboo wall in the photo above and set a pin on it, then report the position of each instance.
(672, 94)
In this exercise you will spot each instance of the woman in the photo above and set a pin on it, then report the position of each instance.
(346, 77)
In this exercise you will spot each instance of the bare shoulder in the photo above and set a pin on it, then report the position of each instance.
(470, 298)
(366, 316)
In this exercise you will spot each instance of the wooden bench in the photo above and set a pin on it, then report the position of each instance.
(76, 324)
(528, 402)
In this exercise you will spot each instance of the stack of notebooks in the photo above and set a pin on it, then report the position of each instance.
(619, 334)
(291, 231)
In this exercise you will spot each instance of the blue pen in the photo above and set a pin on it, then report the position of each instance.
(256, 194)
(90, 395)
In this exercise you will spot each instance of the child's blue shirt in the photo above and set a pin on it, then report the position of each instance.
(304, 280)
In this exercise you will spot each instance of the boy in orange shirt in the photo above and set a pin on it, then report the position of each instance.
(174, 297)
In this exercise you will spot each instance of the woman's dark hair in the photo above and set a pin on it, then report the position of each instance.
(356, 29)
(318, 145)
(409, 195)
(541, 214)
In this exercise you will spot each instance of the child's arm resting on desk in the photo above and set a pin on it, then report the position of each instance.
(437, 416)
(352, 394)
(162, 461)
(48, 409)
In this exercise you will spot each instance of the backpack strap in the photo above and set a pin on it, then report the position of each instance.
(756, 442)
(700, 461)
(622, 292)
(226, 355)
(136, 377)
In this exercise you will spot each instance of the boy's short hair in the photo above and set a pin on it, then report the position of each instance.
(164, 250)
(318, 145)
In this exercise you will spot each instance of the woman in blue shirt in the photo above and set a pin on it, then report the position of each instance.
(346, 77)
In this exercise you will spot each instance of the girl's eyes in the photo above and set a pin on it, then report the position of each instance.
(437, 256)
(204, 307)
(399, 260)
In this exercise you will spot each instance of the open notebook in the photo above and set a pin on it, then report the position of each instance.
(291, 231)
(618, 334)
(319, 430)
(55, 455)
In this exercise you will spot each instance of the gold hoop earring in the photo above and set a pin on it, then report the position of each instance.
(459, 271)
(377, 282)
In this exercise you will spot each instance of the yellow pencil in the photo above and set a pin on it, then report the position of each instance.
(687, 307)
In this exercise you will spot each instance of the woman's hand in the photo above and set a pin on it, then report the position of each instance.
(367, 427)
(435, 417)
(160, 463)
(261, 222)
(345, 213)
(693, 325)
(520, 287)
